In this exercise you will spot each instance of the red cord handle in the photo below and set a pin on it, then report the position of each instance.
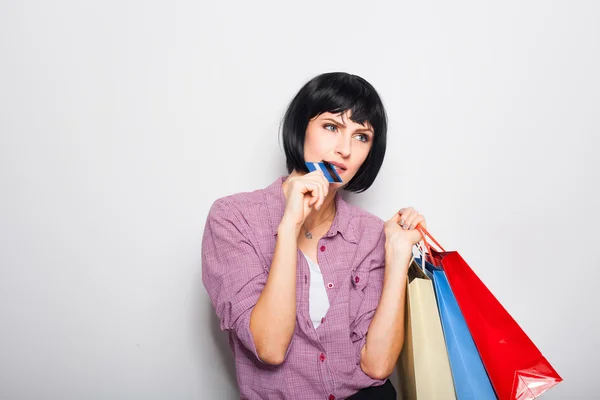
(425, 234)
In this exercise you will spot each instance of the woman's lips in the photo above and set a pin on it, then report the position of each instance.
(337, 168)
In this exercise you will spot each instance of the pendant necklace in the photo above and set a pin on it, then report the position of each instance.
(307, 233)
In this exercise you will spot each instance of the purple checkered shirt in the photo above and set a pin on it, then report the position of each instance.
(237, 249)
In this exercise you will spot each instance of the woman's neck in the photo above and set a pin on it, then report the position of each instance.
(326, 212)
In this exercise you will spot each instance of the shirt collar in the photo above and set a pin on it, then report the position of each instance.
(276, 206)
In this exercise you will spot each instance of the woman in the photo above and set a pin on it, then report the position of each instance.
(310, 288)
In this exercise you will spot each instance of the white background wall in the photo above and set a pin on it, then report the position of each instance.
(121, 122)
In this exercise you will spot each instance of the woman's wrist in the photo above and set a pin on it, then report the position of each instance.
(287, 225)
(397, 245)
(398, 255)
(397, 248)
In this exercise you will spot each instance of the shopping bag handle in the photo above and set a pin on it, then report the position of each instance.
(425, 233)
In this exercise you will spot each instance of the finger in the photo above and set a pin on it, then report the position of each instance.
(409, 222)
(406, 214)
(318, 194)
(317, 176)
(326, 185)
(323, 190)
(419, 219)
(312, 189)
(323, 184)
(397, 216)
(316, 173)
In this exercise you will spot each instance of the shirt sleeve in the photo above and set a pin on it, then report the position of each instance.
(372, 294)
(232, 272)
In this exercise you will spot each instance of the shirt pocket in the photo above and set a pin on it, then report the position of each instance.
(359, 279)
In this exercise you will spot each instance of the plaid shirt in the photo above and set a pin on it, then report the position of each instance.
(237, 249)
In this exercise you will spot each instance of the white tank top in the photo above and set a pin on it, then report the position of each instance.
(318, 302)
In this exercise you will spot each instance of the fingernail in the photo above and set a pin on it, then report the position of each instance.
(319, 207)
(410, 227)
(402, 223)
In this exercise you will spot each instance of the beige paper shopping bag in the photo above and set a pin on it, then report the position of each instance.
(423, 365)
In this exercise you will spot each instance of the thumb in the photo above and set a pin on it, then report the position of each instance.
(396, 216)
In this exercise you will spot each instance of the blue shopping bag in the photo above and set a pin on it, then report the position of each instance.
(471, 381)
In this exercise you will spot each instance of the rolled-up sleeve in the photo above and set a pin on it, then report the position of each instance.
(232, 272)
(372, 294)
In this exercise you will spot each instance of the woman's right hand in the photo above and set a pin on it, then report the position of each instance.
(303, 194)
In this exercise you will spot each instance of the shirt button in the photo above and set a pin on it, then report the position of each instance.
(305, 279)
(330, 285)
(357, 279)
(322, 319)
(331, 397)
(322, 357)
(323, 248)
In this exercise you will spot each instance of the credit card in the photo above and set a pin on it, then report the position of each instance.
(328, 170)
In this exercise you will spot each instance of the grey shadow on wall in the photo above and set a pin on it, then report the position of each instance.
(218, 339)
(221, 341)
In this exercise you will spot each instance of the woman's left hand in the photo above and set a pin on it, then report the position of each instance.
(400, 229)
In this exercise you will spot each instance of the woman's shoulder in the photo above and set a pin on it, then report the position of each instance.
(238, 207)
(365, 223)
(243, 199)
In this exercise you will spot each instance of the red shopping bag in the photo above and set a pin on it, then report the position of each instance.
(517, 369)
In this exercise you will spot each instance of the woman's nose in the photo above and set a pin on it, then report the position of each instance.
(343, 147)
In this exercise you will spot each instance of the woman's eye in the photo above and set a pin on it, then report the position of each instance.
(333, 126)
(365, 137)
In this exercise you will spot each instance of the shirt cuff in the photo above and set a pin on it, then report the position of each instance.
(358, 347)
(245, 336)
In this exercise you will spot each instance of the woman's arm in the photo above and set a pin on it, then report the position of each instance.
(273, 318)
(386, 331)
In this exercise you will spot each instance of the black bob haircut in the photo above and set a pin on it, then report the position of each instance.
(336, 92)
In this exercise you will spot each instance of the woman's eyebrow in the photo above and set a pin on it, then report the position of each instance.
(339, 123)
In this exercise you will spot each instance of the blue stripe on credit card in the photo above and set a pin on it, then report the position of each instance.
(328, 170)
(311, 166)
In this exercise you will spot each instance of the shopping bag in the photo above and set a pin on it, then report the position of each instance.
(468, 373)
(424, 369)
(516, 367)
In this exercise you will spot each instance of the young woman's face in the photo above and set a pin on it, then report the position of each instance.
(337, 139)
